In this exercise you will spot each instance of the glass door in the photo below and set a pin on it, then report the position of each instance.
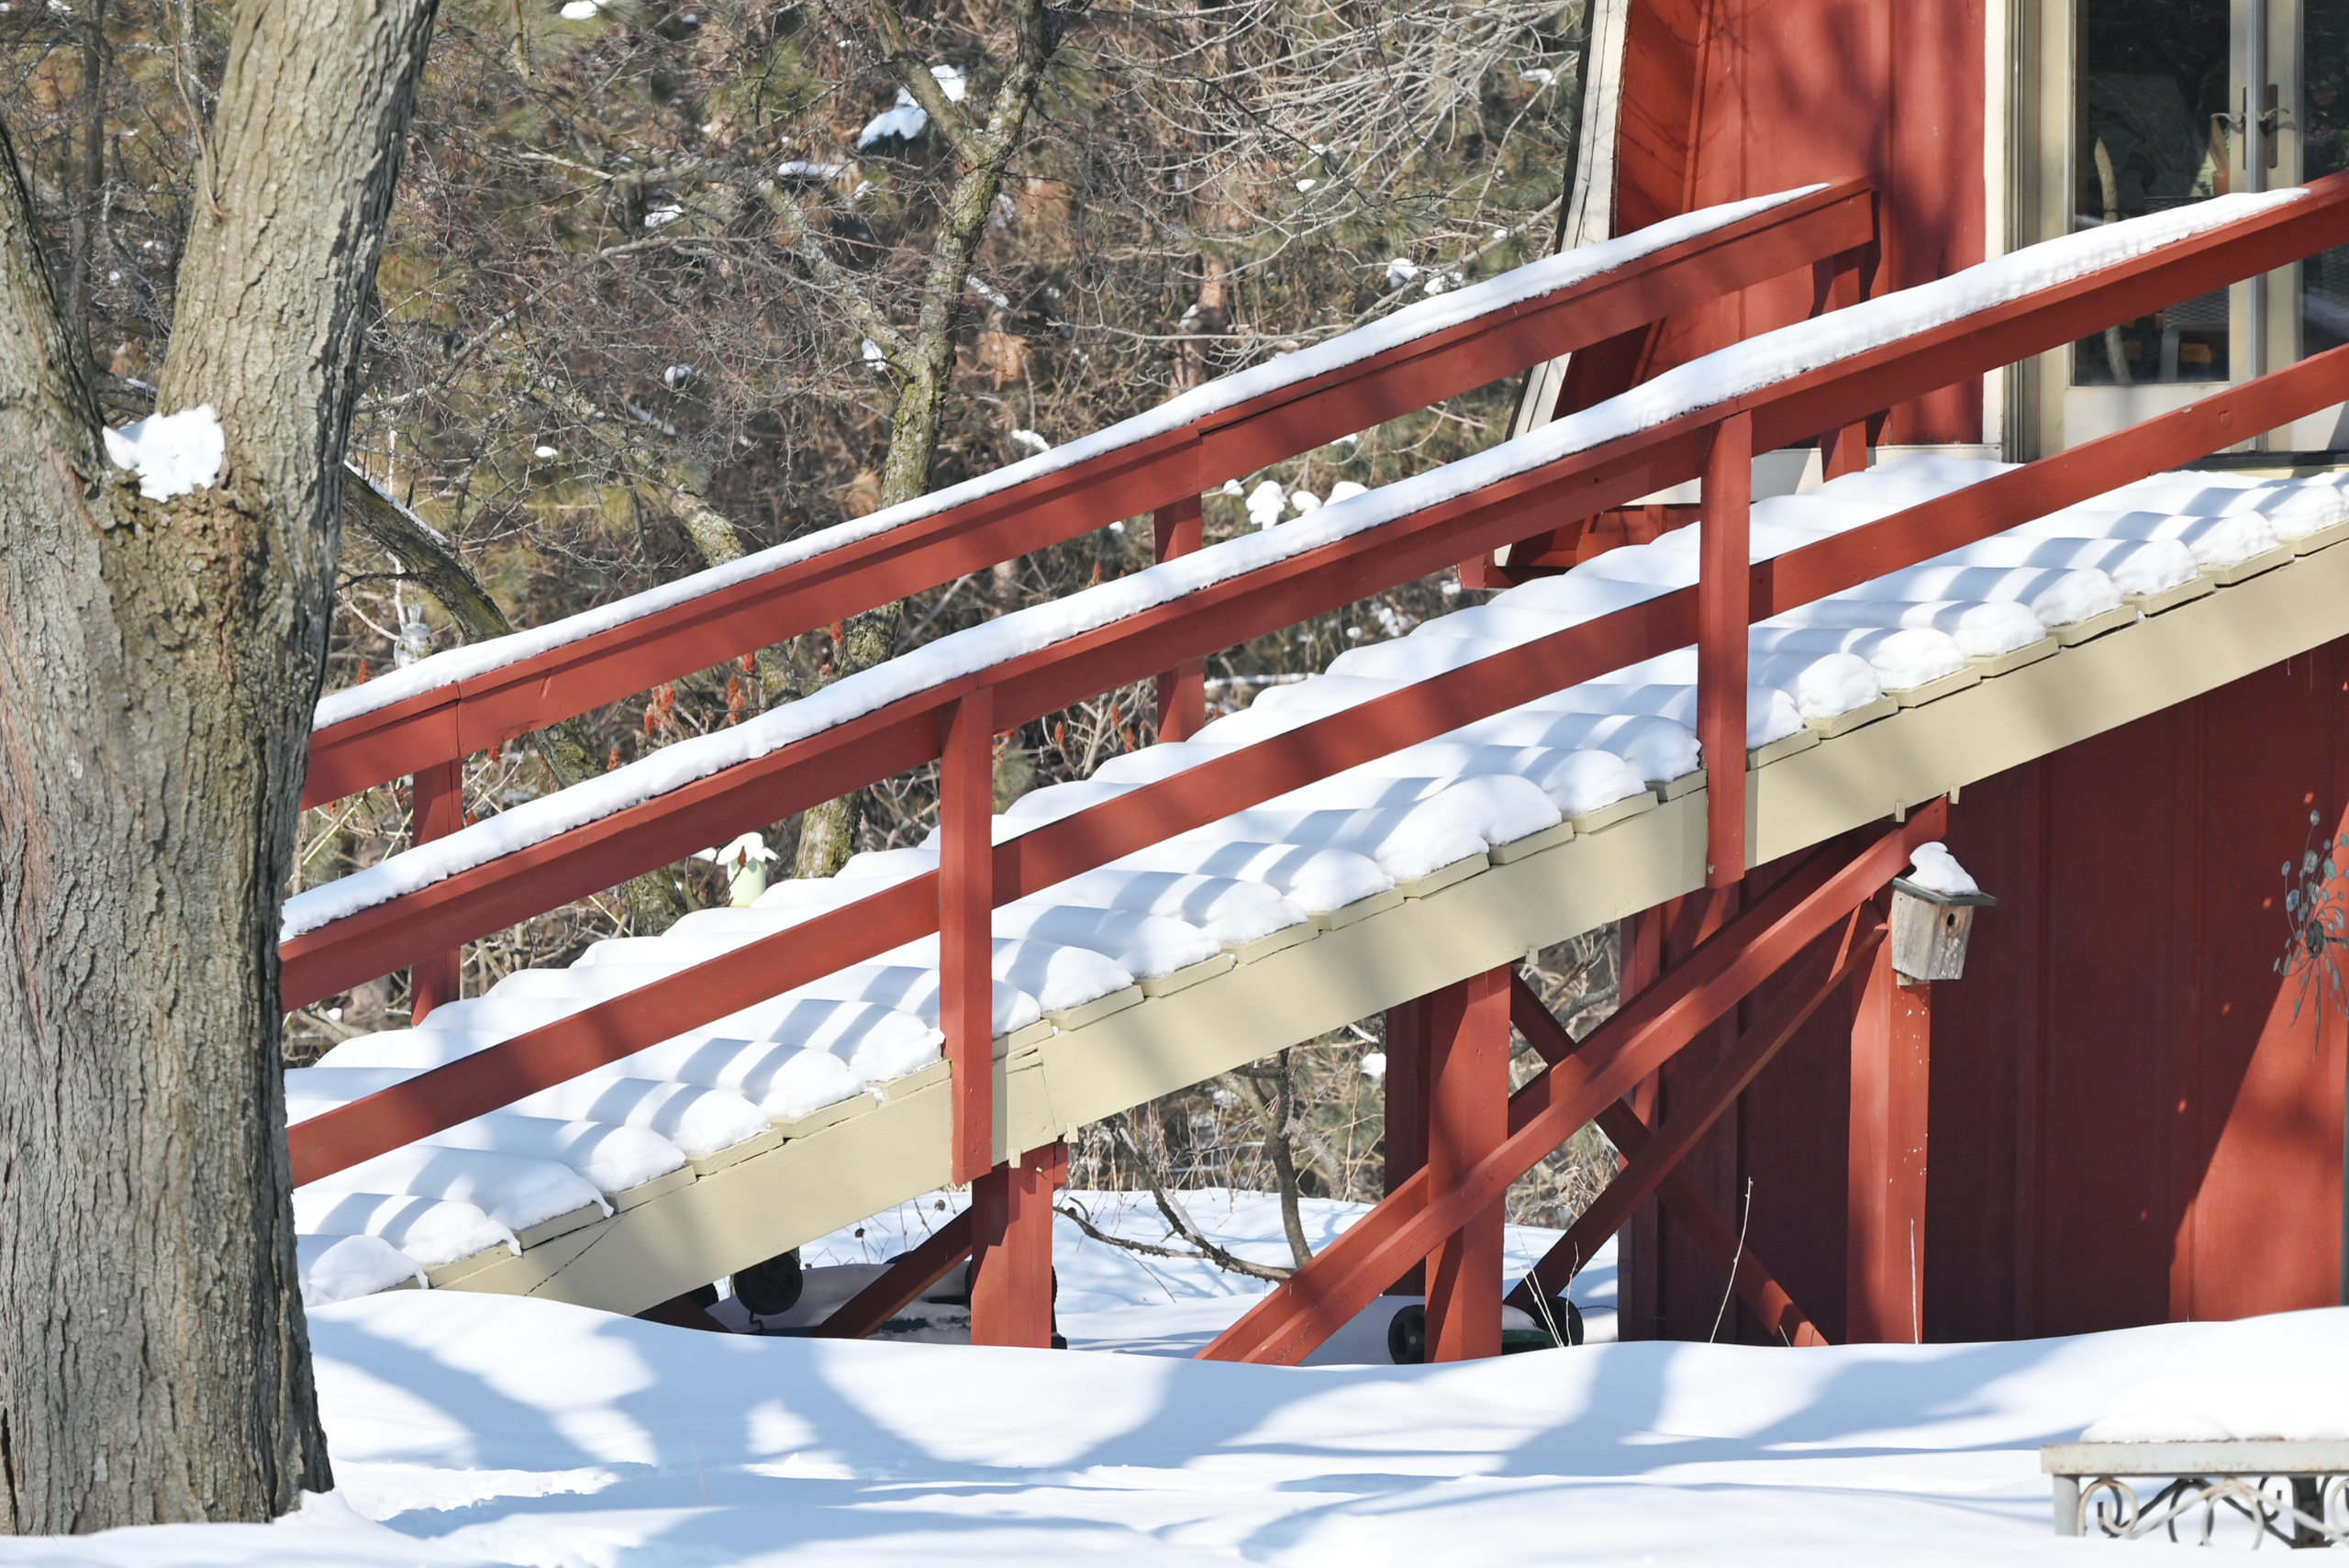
(2312, 140)
(2173, 102)
(2154, 89)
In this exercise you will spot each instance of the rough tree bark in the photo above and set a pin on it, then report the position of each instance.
(158, 662)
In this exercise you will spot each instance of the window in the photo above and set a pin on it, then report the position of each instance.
(2152, 130)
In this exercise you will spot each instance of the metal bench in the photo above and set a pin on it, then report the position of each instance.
(2310, 1509)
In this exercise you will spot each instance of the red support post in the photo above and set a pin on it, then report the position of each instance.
(1405, 1121)
(1724, 607)
(967, 925)
(1178, 529)
(1011, 1250)
(1891, 1081)
(1843, 281)
(437, 809)
(1467, 1103)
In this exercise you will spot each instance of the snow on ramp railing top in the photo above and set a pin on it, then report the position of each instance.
(1893, 348)
(1039, 661)
(471, 698)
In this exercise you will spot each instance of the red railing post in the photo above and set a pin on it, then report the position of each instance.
(1406, 1119)
(1843, 450)
(1467, 1121)
(965, 925)
(1845, 281)
(1011, 1250)
(436, 808)
(1892, 1030)
(1724, 607)
(1178, 529)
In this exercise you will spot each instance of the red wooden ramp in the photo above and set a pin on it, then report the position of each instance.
(1223, 937)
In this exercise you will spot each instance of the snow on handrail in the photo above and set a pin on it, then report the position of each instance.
(1225, 405)
(1718, 378)
(1057, 849)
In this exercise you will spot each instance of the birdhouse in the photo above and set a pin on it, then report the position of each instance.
(1929, 930)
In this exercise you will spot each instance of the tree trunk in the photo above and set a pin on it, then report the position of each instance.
(828, 832)
(158, 662)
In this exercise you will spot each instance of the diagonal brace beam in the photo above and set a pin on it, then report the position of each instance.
(1722, 1244)
(1659, 1155)
(902, 1286)
(1325, 1295)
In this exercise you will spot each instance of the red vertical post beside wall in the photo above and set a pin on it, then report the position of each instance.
(967, 925)
(1638, 1276)
(1467, 1120)
(1724, 609)
(1178, 529)
(437, 809)
(1011, 1249)
(1891, 1082)
(1405, 1121)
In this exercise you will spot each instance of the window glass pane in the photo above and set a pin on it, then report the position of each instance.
(2324, 150)
(2151, 131)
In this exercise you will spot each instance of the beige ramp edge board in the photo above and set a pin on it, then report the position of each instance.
(811, 1185)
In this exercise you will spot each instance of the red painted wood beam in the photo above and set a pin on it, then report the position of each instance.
(904, 736)
(437, 809)
(1404, 1128)
(1884, 1288)
(1722, 1244)
(1725, 555)
(1011, 1250)
(713, 628)
(1178, 529)
(966, 903)
(683, 1312)
(1467, 1120)
(1343, 1278)
(1664, 1148)
(908, 1277)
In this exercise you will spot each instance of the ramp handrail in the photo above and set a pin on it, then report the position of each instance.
(953, 720)
(1156, 464)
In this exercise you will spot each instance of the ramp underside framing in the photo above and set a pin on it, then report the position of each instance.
(807, 1187)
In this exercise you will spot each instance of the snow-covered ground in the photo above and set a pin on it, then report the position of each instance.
(474, 1429)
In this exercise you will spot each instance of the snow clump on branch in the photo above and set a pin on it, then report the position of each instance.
(908, 119)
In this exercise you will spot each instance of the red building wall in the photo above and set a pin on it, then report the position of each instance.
(2130, 1122)
(1724, 99)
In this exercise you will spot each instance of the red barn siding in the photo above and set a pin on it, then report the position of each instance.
(1730, 98)
(2130, 1125)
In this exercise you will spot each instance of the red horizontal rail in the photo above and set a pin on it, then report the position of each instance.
(1155, 812)
(1040, 683)
(905, 735)
(1346, 1274)
(483, 711)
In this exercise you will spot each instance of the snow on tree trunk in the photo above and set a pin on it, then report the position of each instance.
(158, 662)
